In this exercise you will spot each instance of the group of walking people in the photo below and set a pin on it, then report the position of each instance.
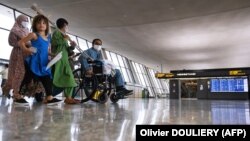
(28, 72)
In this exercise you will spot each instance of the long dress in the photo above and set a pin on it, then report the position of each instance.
(62, 73)
(16, 62)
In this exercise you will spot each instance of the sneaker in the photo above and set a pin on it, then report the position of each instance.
(21, 101)
(125, 91)
(120, 96)
(128, 92)
(53, 101)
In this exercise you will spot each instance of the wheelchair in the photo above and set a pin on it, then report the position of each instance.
(98, 87)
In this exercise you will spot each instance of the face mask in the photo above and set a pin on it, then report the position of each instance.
(66, 29)
(98, 47)
(25, 24)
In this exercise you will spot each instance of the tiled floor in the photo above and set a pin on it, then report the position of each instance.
(111, 122)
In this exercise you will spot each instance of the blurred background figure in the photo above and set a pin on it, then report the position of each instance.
(4, 74)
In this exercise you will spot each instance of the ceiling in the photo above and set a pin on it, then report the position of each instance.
(162, 34)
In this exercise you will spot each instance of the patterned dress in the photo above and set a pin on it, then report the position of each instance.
(16, 62)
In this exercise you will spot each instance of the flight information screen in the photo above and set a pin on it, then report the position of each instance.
(229, 85)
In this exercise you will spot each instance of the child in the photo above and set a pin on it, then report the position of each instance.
(37, 60)
(63, 78)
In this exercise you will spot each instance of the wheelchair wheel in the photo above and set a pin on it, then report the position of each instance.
(103, 98)
(114, 98)
(83, 90)
(78, 90)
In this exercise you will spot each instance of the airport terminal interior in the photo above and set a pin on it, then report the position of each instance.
(186, 62)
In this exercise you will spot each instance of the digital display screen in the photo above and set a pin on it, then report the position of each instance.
(229, 85)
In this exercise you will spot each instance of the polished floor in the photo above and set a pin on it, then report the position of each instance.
(111, 122)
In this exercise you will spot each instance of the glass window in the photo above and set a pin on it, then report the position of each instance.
(7, 17)
(125, 62)
(114, 58)
(129, 75)
(142, 69)
(124, 72)
(138, 68)
(89, 44)
(159, 83)
(152, 74)
(108, 55)
(157, 90)
(120, 61)
(5, 47)
(146, 80)
(73, 38)
(164, 84)
(142, 79)
(133, 64)
(136, 72)
(17, 14)
(150, 91)
(83, 44)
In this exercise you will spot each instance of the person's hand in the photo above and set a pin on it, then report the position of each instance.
(52, 55)
(29, 51)
(28, 44)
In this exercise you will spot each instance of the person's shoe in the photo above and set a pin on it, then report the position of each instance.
(120, 96)
(124, 91)
(39, 97)
(128, 92)
(53, 101)
(71, 101)
(21, 101)
(77, 100)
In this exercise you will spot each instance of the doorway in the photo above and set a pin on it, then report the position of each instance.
(189, 89)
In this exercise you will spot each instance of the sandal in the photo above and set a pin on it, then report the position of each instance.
(17, 96)
(71, 101)
(19, 99)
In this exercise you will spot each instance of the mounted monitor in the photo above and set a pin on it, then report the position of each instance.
(229, 84)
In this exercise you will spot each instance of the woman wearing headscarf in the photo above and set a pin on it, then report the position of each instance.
(16, 62)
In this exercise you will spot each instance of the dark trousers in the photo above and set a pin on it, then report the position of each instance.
(46, 80)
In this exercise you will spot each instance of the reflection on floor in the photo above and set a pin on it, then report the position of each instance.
(111, 122)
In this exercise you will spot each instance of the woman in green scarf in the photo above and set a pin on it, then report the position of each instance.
(63, 78)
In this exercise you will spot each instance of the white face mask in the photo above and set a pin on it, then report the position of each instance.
(66, 29)
(25, 24)
(98, 47)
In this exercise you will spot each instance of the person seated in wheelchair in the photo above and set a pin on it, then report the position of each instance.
(94, 54)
